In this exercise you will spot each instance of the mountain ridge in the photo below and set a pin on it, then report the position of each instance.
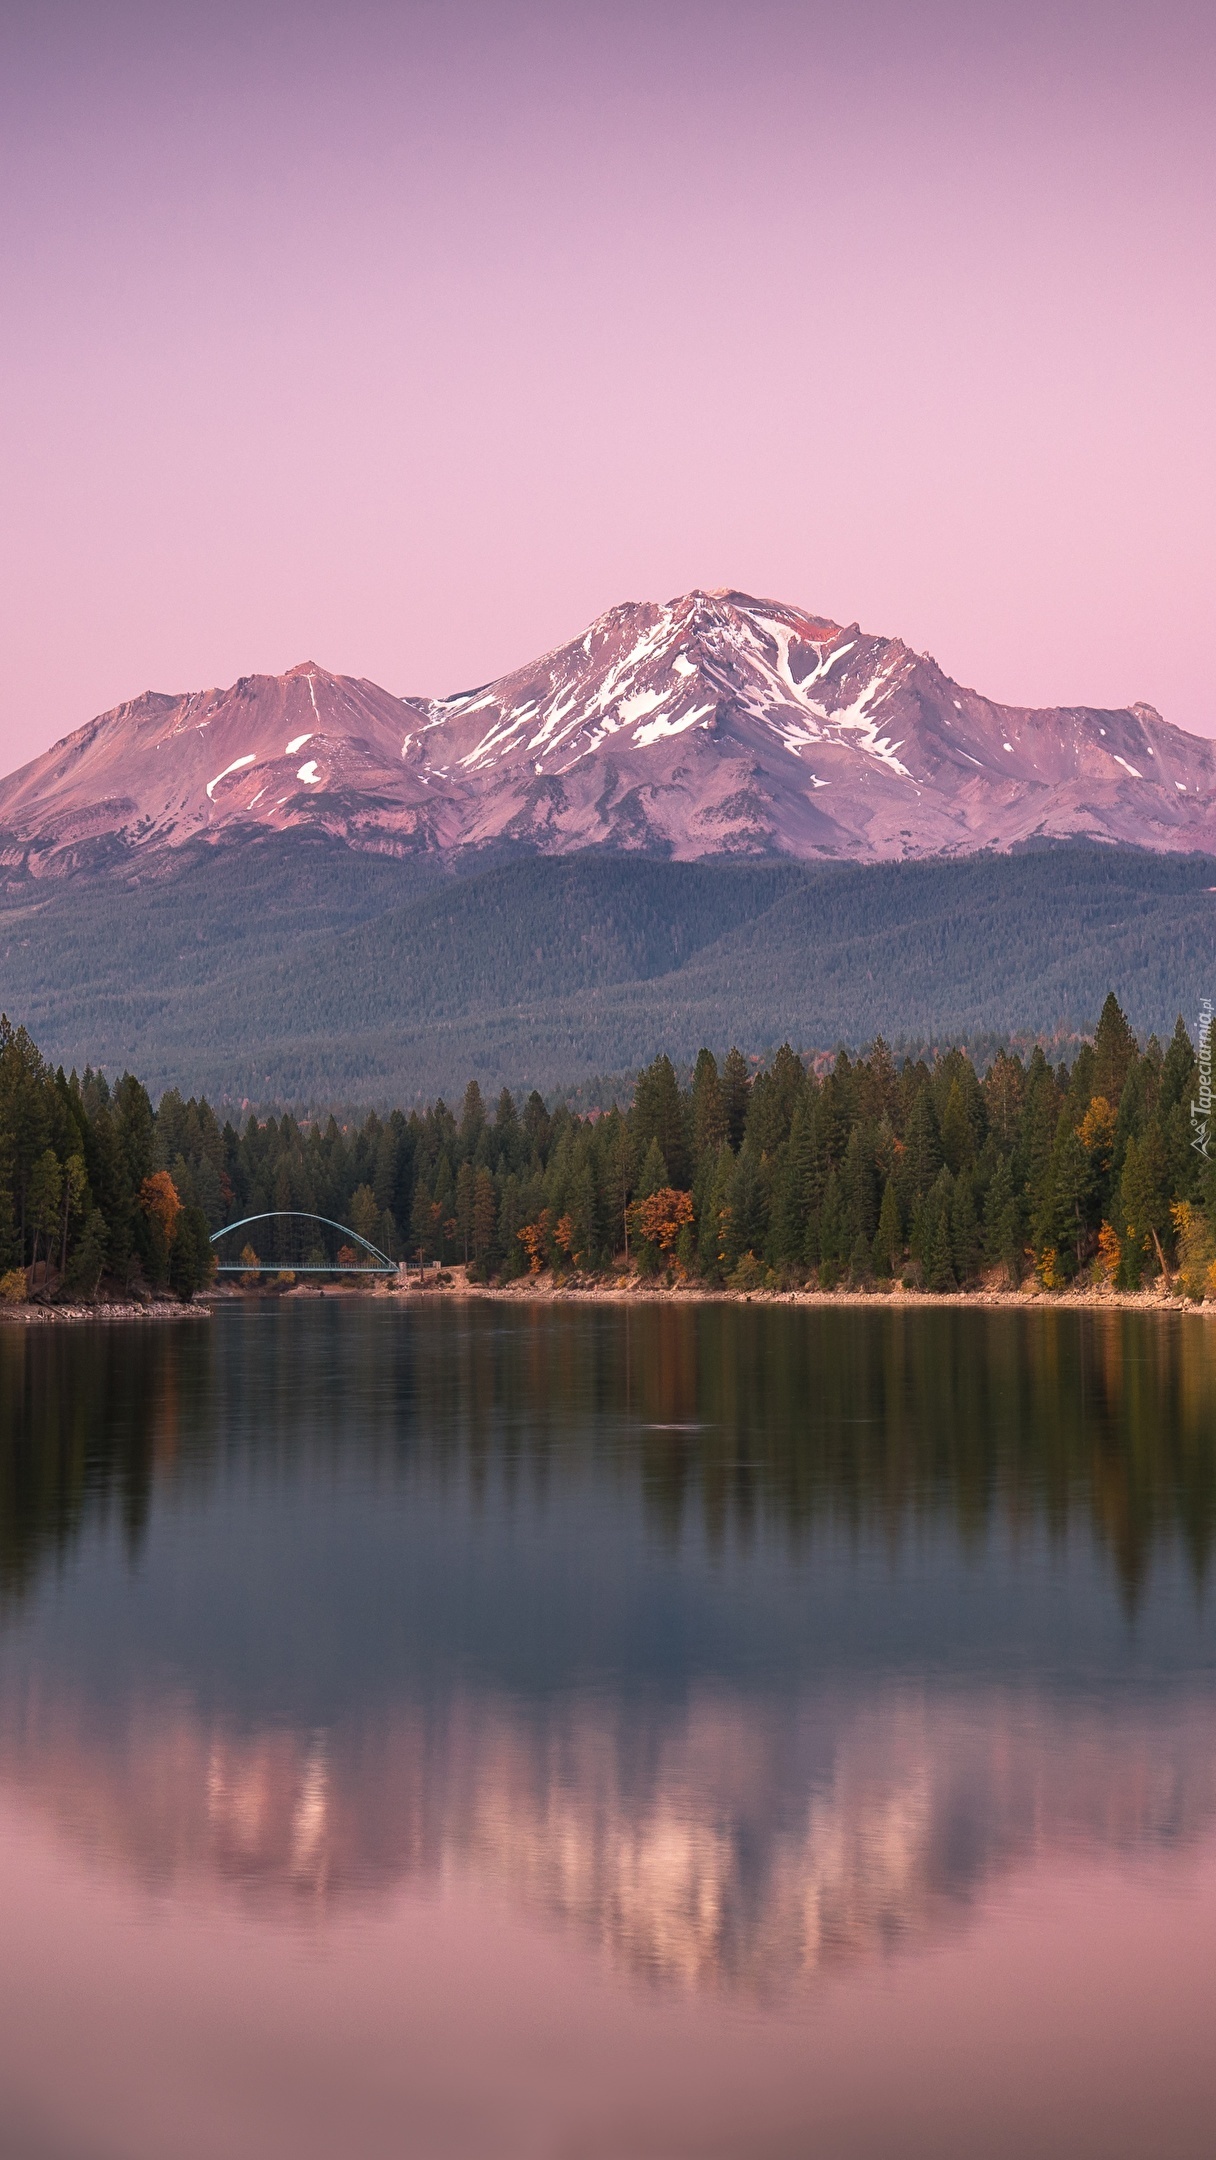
(716, 725)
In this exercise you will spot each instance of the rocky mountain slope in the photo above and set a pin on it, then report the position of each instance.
(716, 725)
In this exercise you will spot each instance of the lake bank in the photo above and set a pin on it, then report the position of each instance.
(629, 1290)
(58, 1315)
(453, 1283)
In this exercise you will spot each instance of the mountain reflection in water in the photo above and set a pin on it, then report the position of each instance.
(743, 1640)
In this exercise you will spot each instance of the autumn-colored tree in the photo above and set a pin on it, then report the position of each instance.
(1096, 1132)
(534, 1237)
(159, 1201)
(659, 1217)
(563, 1236)
(1196, 1244)
(1110, 1252)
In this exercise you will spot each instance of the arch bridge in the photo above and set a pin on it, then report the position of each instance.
(290, 1242)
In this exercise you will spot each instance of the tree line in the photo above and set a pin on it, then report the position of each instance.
(778, 1176)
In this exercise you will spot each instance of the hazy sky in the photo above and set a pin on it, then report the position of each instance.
(408, 338)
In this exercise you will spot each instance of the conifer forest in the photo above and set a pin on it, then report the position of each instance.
(778, 1176)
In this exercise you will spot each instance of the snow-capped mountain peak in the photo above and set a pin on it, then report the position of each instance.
(717, 723)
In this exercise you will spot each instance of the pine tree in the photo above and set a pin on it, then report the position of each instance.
(923, 1145)
(939, 1255)
(958, 1141)
(833, 1232)
(794, 1191)
(889, 1236)
(1002, 1222)
(964, 1230)
(746, 1199)
(654, 1173)
(736, 1089)
(708, 1109)
(658, 1118)
(1115, 1050)
(484, 1210)
(713, 1218)
(472, 1117)
(1144, 1200)
(465, 1186)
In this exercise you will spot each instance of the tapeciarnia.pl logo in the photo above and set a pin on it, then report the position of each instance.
(1201, 1106)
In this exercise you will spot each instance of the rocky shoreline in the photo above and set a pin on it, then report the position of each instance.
(58, 1315)
(632, 1291)
(629, 1290)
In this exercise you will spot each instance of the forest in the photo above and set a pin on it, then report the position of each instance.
(843, 1172)
(297, 974)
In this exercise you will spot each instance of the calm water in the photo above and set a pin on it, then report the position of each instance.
(609, 1736)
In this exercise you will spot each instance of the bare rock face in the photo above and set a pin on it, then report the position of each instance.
(716, 725)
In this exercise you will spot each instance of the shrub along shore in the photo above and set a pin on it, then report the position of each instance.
(862, 1173)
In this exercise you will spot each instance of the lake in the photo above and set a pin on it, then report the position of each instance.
(478, 1729)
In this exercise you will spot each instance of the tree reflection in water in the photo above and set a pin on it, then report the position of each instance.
(530, 1591)
(870, 1418)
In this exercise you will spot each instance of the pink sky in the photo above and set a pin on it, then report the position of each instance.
(410, 338)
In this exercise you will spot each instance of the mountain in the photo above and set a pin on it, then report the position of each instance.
(718, 725)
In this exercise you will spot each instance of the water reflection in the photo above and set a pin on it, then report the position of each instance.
(743, 1642)
(871, 1418)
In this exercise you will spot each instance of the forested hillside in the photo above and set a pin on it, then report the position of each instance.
(875, 1168)
(292, 970)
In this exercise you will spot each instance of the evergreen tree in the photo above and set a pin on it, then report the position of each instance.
(794, 1191)
(654, 1174)
(964, 1231)
(1144, 1202)
(484, 1213)
(889, 1236)
(1002, 1226)
(924, 1145)
(658, 1118)
(713, 1218)
(1115, 1050)
(833, 1233)
(747, 1222)
(708, 1108)
(736, 1090)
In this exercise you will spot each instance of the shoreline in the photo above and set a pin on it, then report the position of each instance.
(893, 1299)
(528, 1290)
(71, 1315)
(542, 1290)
